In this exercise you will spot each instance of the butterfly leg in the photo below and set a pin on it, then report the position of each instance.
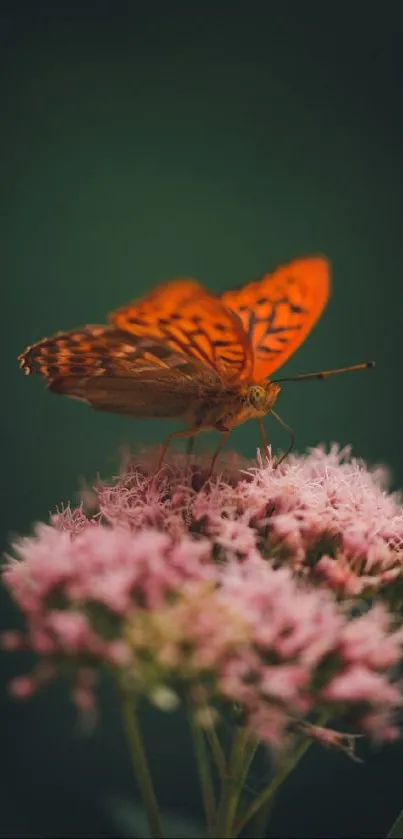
(190, 446)
(291, 434)
(263, 436)
(188, 432)
(224, 437)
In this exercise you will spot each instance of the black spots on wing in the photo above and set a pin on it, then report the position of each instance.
(219, 327)
(231, 359)
(164, 321)
(102, 349)
(267, 350)
(135, 321)
(197, 319)
(158, 350)
(276, 330)
(220, 343)
(243, 308)
(262, 301)
(236, 352)
(51, 351)
(194, 333)
(176, 316)
(53, 370)
(77, 369)
(297, 310)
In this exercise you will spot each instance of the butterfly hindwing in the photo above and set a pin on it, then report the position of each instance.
(279, 310)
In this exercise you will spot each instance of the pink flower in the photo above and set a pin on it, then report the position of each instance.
(11, 641)
(233, 535)
(358, 684)
(325, 514)
(102, 564)
(239, 591)
(370, 639)
(22, 686)
(72, 520)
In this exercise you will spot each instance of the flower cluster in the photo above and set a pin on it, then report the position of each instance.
(241, 592)
(325, 514)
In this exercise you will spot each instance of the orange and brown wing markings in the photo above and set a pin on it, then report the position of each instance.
(279, 310)
(52, 357)
(185, 317)
(95, 351)
(116, 372)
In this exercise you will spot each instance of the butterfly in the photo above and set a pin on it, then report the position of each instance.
(182, 352)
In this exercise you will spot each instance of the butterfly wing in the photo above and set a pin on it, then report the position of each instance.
(279, 310)
(185, 317)
(114, 371)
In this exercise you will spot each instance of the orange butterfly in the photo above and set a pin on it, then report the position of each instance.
(182, 352)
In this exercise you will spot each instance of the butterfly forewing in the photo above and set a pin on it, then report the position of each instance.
(114, 371)
(279, 310)
(184, 316)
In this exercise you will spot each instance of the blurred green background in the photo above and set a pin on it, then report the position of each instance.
(140, 142)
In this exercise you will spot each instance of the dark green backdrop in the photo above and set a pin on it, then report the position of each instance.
(139, 143)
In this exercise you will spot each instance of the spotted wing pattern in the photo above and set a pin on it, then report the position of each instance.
(114, 371)
(279, 310)
(185, 317)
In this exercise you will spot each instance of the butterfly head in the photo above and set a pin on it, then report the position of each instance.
(262, 397)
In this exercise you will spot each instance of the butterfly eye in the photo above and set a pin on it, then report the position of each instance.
(257, 397)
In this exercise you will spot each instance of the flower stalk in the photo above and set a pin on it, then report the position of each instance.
(272, 788)
(232, 785)
(203, 766)
(139, 762)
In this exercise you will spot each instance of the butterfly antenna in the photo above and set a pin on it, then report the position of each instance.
(290, 433)
(323, 374)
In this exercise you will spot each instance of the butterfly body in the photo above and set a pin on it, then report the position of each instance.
(181, 352)
(232, 407)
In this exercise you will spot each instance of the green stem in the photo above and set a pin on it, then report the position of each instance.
(396, 831)
(272, 788)
(238, 767)
(202, 761)
(139, 762)
(266, 798)
(259, 823)
(217, 751)
(247, 758)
